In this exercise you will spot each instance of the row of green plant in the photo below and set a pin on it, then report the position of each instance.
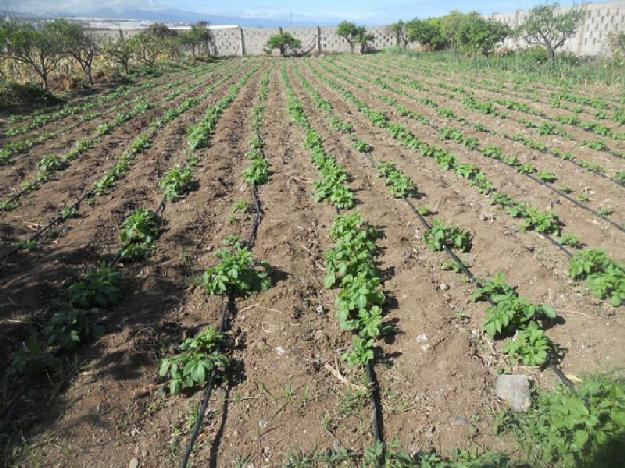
(71, 327)
(175, 183)
(140, 230)
(546, 128)
(199, 356)
(533, 93)
(556, 429)
(10, 149)
(493, 151)
(488, 107)
(332, 184)
(336, 122)
(350, 262)
(138, 145)
(257, 172)
(509, 314)
(52, 163)
(544, 222)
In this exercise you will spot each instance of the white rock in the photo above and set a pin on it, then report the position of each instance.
(515, 391)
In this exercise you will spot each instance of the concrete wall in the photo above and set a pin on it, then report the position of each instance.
(592, 38)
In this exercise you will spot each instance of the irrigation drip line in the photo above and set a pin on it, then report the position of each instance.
(377, 415)
(574, 161)
(223, 328)
(555, 190)
(51, 224)
(473, 279)
(576, 202)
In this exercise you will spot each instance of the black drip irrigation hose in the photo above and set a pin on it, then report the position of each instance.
(51, 224)
(375, 402)
(223, 327)
(553, 364)
(229, 307)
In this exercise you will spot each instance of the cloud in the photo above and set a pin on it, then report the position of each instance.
(76, 7)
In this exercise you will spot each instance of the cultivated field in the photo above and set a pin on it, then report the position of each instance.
(385, 193)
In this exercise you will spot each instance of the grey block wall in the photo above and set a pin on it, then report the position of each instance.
(592, 38)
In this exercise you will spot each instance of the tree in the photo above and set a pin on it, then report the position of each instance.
(547, 26)
(284, 42)
(120, 51)
(617, 44)
(38, 47)
(145, 47)
(363, 39)
(477, 34)
(427, 33)
(350, 32)
(399, 30)
(450, 24)
(76, 43)
(196, 36)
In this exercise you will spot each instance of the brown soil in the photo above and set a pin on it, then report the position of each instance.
(289, 391)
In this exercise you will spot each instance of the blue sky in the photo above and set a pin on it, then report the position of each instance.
(326, 11)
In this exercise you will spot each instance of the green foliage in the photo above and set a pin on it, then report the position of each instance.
(510, 313)
(284, 42)
(362, 146)
(236, 272)
(547, 176)
(400, 185)
(581, 428)
(513, 313)
(138, 234)
(530, 346)
(51, 163)
(71, 328)
(477, 34)
(570, 240)
(452, 236)
(426, 32)
(605, 278)
(548, 27)
(176, 182)
(197, 360)
(494, 289)
(100, 287)
(350, 266)
(33, 360)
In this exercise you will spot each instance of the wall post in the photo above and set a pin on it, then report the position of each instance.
(241, 42)
(318, 40)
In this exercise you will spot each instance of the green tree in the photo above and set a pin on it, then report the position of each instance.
(363, 39)
(477, 34)
(398, 29)
(550, 27)
(196, 37)
(426, 32)
(350, 32)
(450, 24)
(39, 47)
(617, 44)
(145, 48)
(284, 42)
(76, 43)
(120, 51)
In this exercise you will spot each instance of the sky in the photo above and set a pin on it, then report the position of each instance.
(326, 11)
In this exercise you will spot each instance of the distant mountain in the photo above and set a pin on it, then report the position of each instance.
(175, 15)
